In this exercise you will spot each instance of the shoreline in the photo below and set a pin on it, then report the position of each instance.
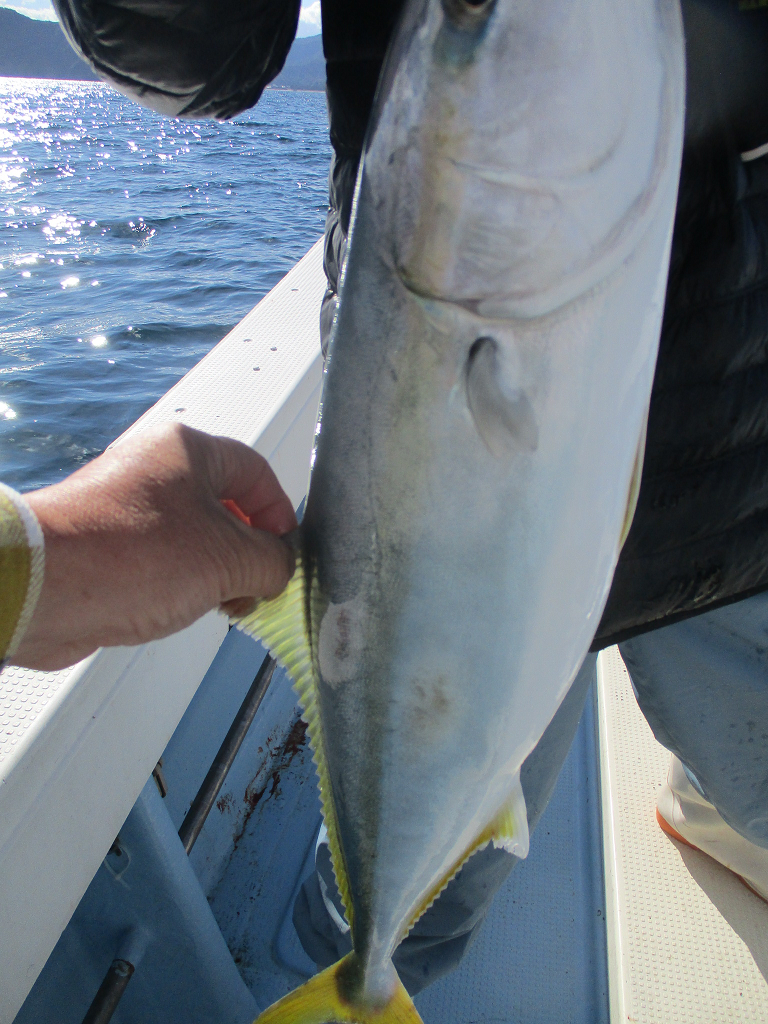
(100, 81)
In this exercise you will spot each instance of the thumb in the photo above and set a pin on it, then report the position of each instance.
(263, 565)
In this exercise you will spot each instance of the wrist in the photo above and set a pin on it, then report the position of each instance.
(22, 562)
(66, 621)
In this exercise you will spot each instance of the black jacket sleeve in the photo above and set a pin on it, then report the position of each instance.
(186, 58)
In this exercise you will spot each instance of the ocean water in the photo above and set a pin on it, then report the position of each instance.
(130, 243)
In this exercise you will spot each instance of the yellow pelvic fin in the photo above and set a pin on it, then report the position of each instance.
(634, 484)
(508, 830)
(283, 627)
(320, 1001)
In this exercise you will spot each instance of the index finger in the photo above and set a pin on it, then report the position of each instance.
(245, 477)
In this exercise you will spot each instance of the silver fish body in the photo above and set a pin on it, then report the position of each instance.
(484, 405)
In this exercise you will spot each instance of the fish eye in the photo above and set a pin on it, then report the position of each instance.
(468, 14)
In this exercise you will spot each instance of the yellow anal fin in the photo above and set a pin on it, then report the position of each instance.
(508, 830)
(320, 1001)
(283, 627)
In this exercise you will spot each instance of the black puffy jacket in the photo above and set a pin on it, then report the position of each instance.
(699, 538)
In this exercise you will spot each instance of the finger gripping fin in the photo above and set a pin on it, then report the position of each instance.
(320, 1001)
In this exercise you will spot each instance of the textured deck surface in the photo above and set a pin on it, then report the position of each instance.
(687, 943)
(25, 695)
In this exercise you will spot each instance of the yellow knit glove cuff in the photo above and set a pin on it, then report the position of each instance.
(22, 561)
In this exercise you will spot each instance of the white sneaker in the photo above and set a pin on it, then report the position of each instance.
(684, 814)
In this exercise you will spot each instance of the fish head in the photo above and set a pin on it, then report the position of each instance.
(506, 161)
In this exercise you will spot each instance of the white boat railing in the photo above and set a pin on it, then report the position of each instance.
(77, 746)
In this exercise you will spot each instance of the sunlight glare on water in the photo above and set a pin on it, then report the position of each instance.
(130, 243)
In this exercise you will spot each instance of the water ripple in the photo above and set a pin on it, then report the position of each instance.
(129, 245)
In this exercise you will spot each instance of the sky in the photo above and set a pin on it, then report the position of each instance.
(309, 20)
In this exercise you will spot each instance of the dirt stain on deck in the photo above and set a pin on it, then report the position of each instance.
(280, 761)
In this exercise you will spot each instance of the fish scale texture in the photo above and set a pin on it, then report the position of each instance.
(688, 944)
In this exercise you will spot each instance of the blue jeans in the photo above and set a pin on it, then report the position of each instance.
(703, 686)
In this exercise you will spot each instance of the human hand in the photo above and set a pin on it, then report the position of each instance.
(139, 545)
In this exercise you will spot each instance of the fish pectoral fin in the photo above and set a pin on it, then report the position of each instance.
(282, 624)
(322, 1001)
(503, 415)
(509, 830)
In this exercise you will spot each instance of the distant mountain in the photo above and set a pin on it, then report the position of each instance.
(37, 49)
(304, 66)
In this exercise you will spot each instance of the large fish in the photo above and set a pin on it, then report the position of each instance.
(481, 430)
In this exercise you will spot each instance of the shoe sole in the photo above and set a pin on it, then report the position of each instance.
(674, 834)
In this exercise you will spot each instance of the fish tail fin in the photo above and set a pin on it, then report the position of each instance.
(321, 1001)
